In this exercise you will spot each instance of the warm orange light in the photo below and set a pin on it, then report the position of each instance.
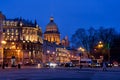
(81, 49)
(100, 45)
(13, 47)
(3, 42)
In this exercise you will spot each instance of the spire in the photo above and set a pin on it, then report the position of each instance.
(51, 19)
(35, 22)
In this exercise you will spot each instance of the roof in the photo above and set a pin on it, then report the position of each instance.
(25, 23)
(52, 26)
(47, 32)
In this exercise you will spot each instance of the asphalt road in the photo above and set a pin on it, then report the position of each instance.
(59, 74)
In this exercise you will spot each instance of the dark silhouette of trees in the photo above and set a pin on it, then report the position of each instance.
(89, 39)
(85, 38)
(115, 49)
(106, 35)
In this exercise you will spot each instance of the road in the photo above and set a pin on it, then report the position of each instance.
(59, 74)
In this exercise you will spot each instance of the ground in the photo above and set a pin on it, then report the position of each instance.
(33, 73)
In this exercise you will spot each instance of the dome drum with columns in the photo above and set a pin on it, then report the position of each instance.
(52, 33)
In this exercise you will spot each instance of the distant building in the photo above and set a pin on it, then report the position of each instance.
(65, 42)
(23, 41)
(49, 51)
(62, 54)
(52, 33)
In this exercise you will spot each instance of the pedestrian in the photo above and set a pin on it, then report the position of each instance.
(104, 66)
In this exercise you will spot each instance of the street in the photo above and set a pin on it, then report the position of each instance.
(59, 74)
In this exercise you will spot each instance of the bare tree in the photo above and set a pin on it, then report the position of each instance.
(93, 38)
(106, 35)
(85, 38)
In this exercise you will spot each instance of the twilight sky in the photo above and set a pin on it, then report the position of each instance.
(69, 15)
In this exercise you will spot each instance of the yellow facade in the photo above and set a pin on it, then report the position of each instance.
(23, 41)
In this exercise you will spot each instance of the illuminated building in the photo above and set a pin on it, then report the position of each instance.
(62, 54)
(49, 50)
(2, 17)
(65, 42)
(52, 33)
(23, 41)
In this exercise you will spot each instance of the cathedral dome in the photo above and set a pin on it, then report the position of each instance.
(51, 27)
(52, 33)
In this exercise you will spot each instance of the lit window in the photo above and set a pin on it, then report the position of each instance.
(16, 30)
(7, 30)
(15, 23)
(23, 31)
(7, 22)
(14, 39)
(17, 33)
(21, 24)
(12, 33)
(11, 37)
(12, 30)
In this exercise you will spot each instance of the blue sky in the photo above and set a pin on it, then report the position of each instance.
(69, 15)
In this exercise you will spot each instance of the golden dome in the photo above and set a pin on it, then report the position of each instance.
(51, 26)
(52, 33)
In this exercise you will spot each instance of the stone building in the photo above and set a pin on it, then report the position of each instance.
(65, 42)
(23, 41)
(2, 17)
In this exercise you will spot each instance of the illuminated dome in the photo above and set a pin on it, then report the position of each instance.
(52, 33)
(51, 27)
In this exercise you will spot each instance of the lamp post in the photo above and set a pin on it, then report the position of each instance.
(100, 47)
(81, 50)
(3, 45)
(3, 50)
(108, 47)
(100, 44)
(48, 55)
(54, 57)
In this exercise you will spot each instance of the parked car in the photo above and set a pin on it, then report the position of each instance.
(50, 64)
(69, 64)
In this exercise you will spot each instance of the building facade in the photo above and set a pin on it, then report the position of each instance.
(65, 42)
(2, 17)
(52, 33)
(23, 41)
(62, 54)
(49, 50)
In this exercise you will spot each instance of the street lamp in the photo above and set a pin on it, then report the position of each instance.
(48, 54)
(100, 47)
(80, 54)
(100, 44)
(54, 56)
(3, 45)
